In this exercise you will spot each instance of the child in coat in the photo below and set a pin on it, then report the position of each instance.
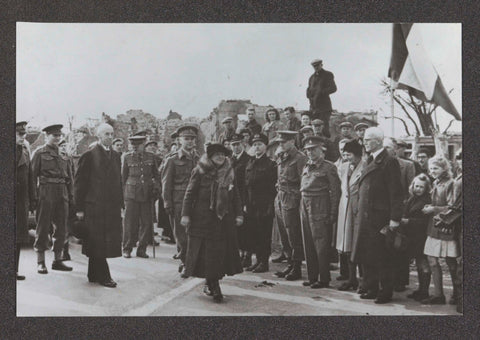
(414, 224)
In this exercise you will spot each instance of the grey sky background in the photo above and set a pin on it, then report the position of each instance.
(86, 69)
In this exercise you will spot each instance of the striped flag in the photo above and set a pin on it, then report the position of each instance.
(411, 68)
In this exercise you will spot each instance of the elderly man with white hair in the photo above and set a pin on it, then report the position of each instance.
(380, 208)
(99, 200)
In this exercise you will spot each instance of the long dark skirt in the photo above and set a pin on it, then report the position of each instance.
(213, 258)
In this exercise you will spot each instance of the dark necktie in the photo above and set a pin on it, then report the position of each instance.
(369, 159)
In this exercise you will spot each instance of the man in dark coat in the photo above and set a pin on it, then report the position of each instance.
(290, 165)
(320, 86)
(260, 192)
(380, 209)
(141, 186)
(24, 191)
(239, 160)
(252, 124)
(99, 200)
(54, 194)
(175, 177)
(331, 152)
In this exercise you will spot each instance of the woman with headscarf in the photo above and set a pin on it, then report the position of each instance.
(211, 211)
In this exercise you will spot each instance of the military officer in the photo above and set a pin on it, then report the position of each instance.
(320, 188)
(24, 190)
(141, 186)
(290, 164)
(330, 154)
(175, 178)
(260, 179)
(62, 147)
(240, 159)
(53, 194)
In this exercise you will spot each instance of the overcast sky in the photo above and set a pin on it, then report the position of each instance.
(86, 69)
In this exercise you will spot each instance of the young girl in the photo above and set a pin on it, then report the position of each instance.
(414, 223)
(440, 242)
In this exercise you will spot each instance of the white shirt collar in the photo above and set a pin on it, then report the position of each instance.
(376, 153)
(237, 156)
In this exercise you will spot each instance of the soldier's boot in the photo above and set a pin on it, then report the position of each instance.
(280, 259)
(285, 272)
(247, 260)
(41, 268)
(58, 264)
(295, 274)
(66, 253)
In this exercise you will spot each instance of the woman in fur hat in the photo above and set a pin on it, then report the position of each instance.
(211, 211)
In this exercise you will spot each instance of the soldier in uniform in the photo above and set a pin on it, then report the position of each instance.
(290, 166)
(24, 191)
(330, 154)
(141, 186)
(239, 160)
(260, 192)
(54, 194)
(62, 147)
(175, 177)
(227, 123)
(321, 190)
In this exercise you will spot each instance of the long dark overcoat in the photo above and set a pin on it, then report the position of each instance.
(212, 243)
(239, 168)
(320, 86)
(98, 193)
(24, 192)
(380, 200)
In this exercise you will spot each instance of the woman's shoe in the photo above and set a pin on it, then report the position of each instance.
(217, 293)
(348, 286)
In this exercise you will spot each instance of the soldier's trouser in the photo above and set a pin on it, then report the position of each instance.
(290, 217)
(52, 212)
(316, 237)
(164, 221)
(287, 249)
(179, 230)
(138, 221)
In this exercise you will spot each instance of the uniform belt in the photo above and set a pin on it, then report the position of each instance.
(288, 189)
(56, 180)
(315, 193)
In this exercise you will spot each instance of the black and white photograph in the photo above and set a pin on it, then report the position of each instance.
(221, 169)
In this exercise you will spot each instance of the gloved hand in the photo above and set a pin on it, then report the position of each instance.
(80, 215)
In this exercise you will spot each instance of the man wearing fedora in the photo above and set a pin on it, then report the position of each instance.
(320, 86)
(175, 177)
(53, 194)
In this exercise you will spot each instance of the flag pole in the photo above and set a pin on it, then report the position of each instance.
(392, 107)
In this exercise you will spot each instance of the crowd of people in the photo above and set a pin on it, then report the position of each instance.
(356, 198)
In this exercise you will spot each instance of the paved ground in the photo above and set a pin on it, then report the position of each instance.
(153, 287)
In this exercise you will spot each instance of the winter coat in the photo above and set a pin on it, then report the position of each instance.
(416, 228)
(98, 193)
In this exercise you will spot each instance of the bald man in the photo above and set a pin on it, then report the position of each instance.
(99, 200)
(380, 208)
